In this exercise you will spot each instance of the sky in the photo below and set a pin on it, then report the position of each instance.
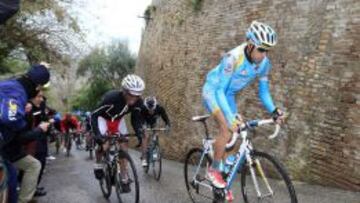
(106, 20)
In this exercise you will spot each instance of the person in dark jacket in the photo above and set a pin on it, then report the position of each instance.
(8, 8)
(38, 148)
(150, 112)
(14, 94)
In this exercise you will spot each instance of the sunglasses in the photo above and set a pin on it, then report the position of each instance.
(262, 50)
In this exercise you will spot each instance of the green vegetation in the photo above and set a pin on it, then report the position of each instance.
(40, 31)
(105, 68)
(147, 13)
(90, 95)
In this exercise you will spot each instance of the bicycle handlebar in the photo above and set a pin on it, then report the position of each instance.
(253, 124)
(156, 129)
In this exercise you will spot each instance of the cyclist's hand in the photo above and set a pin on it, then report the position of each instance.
(44, 126)
(52, 120)
(167, 127)
(278, 116)
(28, 107)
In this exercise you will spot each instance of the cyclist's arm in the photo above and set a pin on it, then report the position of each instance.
(164, 116)
(31, 135)
(264, 91)
(225, 74)
(137, 122)
(63, 126)
(76, 123)
(94, 118)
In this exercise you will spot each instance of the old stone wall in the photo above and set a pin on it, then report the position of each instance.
(315, 77)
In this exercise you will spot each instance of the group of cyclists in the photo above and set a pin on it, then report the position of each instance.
(237, 69)
(108, 118)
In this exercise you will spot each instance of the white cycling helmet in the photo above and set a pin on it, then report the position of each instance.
(133, 84)
(150, 103)
(261, 35)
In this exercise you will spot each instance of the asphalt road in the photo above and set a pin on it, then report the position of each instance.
(71, 180)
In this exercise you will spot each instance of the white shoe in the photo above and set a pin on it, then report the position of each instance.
(51, 158)
(144, 163)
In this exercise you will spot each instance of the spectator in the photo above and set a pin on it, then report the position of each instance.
(14, 94)
(7, 9)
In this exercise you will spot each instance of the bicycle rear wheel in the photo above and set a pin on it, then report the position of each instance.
(156, 163)
(126, 179)
(274, 184)
(195, 160)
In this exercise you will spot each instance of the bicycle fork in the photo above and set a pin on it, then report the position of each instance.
(251, 163)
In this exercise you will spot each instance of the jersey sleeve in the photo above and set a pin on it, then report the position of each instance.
(164, 115)
(225, 74)
(137, 120)
(264, 89)
(104, 106)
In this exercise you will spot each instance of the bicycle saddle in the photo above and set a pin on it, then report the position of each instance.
(200, 118)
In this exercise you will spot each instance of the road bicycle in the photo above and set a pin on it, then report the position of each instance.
(263, 177)
(120, 172)
(153, 155)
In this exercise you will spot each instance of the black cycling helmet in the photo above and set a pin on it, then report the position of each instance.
(150, 103)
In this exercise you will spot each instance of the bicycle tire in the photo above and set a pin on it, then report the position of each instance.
(68, 145)
(157, 168)
(107, 188)
(124, 155)
(280, 169)
(57, 145)
(188, 182)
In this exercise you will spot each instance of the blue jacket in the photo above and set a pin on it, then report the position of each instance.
(233, 74)
(13, 100)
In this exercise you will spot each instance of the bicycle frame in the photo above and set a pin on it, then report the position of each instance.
(243, 156)
(208, 149)
(154, 140)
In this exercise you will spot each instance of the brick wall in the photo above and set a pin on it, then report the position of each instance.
(315, 77)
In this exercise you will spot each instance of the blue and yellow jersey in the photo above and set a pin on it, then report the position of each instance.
(233, 74)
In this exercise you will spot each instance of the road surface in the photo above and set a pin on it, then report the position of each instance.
(71, 180)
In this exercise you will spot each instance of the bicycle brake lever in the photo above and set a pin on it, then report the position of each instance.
(276, 132)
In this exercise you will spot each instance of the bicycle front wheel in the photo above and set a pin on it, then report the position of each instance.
(105, 181)
(68, 145)
(156, 162)
(195, 169)
(57, 143)
(126, 179)
(266, 180)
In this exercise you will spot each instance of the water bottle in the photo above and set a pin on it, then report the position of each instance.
(229, 162)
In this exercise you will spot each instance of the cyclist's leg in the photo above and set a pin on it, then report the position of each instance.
(100, 149)
(211, 104)
(124, 144)
(221, 139)
(144, 148)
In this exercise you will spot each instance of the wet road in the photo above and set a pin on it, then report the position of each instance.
(71, 180)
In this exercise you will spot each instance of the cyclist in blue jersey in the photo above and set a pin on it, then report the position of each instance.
(237, 69)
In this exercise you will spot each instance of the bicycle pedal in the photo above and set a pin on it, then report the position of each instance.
(219, 195)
